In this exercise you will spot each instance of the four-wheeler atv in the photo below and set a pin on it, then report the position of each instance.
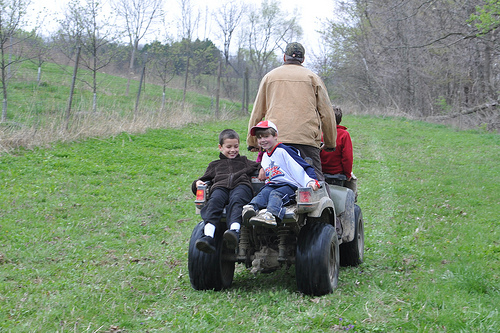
(318, 233)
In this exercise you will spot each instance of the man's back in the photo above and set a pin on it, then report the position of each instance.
(296, 100)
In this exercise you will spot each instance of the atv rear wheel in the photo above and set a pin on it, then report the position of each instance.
(317, 259)
(209, 271)
(351, 254)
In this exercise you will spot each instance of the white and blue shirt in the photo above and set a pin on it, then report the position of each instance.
(285, 165)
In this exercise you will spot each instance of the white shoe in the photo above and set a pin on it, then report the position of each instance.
(248, 212)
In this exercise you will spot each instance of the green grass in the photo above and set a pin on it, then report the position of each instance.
(94, 237)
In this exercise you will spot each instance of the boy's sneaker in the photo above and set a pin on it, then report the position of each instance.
(265, 219)
(248, 212)
(206, 244)
(232, 237)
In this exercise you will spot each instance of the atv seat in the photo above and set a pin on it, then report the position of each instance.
(337, 179)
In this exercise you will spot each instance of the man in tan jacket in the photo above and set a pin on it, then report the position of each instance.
(296, 100)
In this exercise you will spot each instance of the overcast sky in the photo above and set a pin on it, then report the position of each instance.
(312, 14)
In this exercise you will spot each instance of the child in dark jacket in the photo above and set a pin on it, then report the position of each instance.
(230, 176)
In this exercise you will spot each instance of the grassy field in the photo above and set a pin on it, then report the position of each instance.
(27, 98)
(94, 238)
(36, 112)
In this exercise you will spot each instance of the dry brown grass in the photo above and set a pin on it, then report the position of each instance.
(356, 109)
(83, 125)
(485, 119)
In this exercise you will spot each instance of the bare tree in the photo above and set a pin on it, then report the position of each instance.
(41, 53)
(138, 16)
(70, 31)
(228, 16)
(39, 44)
(86, 27)
(189, 20)
(421, 57)
(12, 19)
(98, 34)
(68, 39)
(161, 66)
(270, 29)
(188, 23)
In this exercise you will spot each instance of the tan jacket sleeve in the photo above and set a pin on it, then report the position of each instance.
(327, 116)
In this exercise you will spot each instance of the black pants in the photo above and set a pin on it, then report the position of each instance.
(233, 200)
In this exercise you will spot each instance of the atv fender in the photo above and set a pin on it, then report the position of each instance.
(343, 200)
(324, 203)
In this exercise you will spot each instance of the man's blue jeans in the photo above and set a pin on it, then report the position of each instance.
(274, 197)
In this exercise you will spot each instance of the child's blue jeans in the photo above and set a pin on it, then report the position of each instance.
(274, 197)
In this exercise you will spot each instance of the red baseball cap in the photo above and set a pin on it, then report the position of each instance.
(263, 124)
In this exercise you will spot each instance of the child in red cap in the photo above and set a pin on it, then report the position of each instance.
(285, 171)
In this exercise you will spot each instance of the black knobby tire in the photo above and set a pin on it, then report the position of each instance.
(351, 253)
(209, 271)
(317, 259)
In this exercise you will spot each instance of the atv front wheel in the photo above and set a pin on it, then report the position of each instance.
(317, 259)
(209, 271)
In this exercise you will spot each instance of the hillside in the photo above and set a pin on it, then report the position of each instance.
(38, 114)
(94, 237)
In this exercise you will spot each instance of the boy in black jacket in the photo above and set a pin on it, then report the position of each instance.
(231, 188)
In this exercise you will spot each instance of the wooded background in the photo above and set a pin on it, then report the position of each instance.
(435, 60)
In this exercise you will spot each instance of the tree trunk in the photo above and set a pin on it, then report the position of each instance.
(94, 86)
(217, 94)
(163, 99)
(243, 92)
(247, 92)
(185, 83)
(140, 89)
(131, 68)
(39, 75)
(73, 82)
(4, 91)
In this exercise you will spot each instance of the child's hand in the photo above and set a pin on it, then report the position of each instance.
(199, 183)
(314, 184)
(262, 174)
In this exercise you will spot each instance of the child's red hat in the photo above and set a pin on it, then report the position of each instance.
(263, 124)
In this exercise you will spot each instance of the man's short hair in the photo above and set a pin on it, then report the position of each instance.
(228, 134)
